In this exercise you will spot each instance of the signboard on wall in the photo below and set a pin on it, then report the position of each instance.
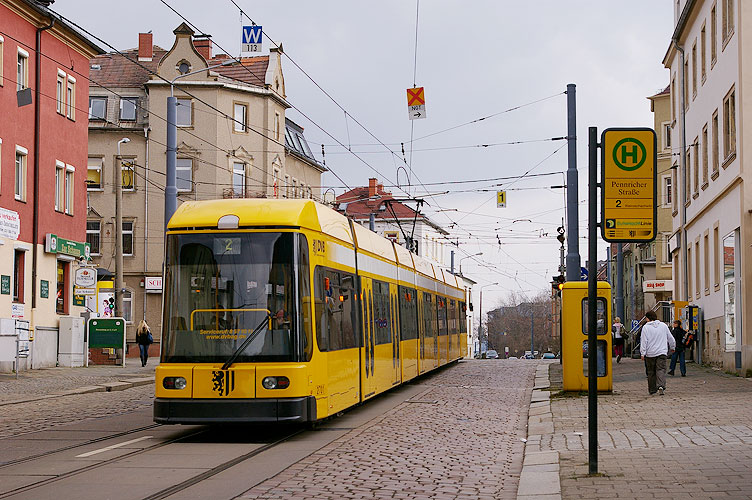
(153, 284)
(10, 224)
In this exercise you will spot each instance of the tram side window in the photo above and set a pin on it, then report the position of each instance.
(408, 313)
(382, 312)
(335, 314)
(452, 317)
(463, 317)
(429, 315)
(441, 314)
(305, 296)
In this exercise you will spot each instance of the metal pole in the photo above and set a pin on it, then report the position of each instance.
(171, 190)
(451, 266)
(620, 281)
(591, 301)
(119, 236)
(532, 342)
(480, 319)
(573, 248)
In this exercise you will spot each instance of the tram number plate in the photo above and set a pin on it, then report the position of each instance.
(320, 390)
(319, 247)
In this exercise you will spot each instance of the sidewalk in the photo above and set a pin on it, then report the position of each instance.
(45, 383)
(694, 442)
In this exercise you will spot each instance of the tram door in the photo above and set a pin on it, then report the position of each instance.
(368, 346)
(421, 335)
(393, 303)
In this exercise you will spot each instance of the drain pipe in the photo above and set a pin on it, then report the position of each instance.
(683, 169)
(35, 221)
(146, 215)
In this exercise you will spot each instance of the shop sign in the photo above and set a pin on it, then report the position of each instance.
(16, 310)
(10, 224)
(44, 289)
(5, 285)
(79, 300)
(153, 284)
(55, 244)
(86, 277)
(658, 286)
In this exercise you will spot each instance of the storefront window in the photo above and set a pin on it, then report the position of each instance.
(61, 304)
(729, 290)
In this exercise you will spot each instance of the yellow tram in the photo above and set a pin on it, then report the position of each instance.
(287, 311)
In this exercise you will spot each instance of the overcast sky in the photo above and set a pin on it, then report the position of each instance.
(474, 58)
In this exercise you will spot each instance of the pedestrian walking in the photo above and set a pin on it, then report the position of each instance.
(655, 343)
(680, 335)
(618, 330)
(144, 339)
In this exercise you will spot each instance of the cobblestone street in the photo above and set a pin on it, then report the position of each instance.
(460, 438)
(694, 442)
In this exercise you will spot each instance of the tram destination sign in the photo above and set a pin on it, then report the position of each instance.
(628, 198)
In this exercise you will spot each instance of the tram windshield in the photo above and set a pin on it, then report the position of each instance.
(220, 287)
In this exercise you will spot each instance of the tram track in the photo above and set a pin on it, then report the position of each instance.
(97, 465)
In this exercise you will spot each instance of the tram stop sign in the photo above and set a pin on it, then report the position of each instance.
(628, 200)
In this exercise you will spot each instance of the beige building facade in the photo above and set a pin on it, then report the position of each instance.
(233, 140)
(711, 242)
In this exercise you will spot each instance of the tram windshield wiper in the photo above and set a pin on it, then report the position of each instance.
(241, 347)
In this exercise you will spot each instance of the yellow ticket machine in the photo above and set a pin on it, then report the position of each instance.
(574, 335)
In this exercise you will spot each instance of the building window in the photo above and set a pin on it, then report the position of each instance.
(184, 174)
(667, 198)
(686, 85)
(60, 92)
(696, 165)
(94, 174)
(687, 177)
(727, 19)
(18, 275)
(694, 70)
(128, 238)
(20, 185)
(729, 124)
(706, 253)
(702, 53)
(127, 311)
(69, 171)
(184, 115)
(713, 36)
(128, 174)
(276, 126)
(97, 108)
(22, 70)
(716, 258)
(295, 188)
(2, 49)
(730, 289)
(59, 177)
(705, 155)
(666, 129)
(689, 272)
(714, 148)
(673, 98)
(93, 236)
(275, 182)
(241, 118)
(128, 106)
(238, 179)
(61, 298)
(71, 99)
(698, 285)
(288, 187)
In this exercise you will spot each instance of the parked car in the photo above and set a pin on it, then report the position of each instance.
(529, 356)
(548, 355)
(491, 354)
(512, 357)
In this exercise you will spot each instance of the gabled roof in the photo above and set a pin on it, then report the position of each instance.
(253, 69)
(357, 205)
(117, 70)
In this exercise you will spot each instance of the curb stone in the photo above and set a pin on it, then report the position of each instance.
(539, 478)
(126, 383)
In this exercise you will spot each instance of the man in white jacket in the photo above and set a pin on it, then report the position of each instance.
(656, 342)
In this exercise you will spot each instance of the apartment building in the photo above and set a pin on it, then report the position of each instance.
(43, 140)
(711, 204)
(233, 141)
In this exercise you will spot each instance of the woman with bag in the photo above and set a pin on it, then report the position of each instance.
(618, 331)
(144, 339)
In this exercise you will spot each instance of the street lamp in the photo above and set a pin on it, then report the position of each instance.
(480, 312)
(467, 257)
(119, 232)
(171, 190)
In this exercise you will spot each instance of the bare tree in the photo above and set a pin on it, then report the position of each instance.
(509, 324)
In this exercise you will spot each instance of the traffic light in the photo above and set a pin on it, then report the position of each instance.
(559, 283)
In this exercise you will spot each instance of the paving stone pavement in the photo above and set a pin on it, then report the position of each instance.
(694, 442)
(468, 445)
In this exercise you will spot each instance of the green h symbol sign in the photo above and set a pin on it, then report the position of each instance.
(629, 150)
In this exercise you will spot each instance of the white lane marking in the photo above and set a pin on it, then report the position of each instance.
(108, 448)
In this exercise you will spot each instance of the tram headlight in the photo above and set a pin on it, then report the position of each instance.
(174, 383)
(275, 383)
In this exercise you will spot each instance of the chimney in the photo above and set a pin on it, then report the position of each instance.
(203, 46)
(372, 187)
(145, 47)
(380, 189)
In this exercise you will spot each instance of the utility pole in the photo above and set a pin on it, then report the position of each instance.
(532, 342)
(620, 281)
(573, 244)
(119, 232)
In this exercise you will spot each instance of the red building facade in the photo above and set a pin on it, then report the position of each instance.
(44, 91)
